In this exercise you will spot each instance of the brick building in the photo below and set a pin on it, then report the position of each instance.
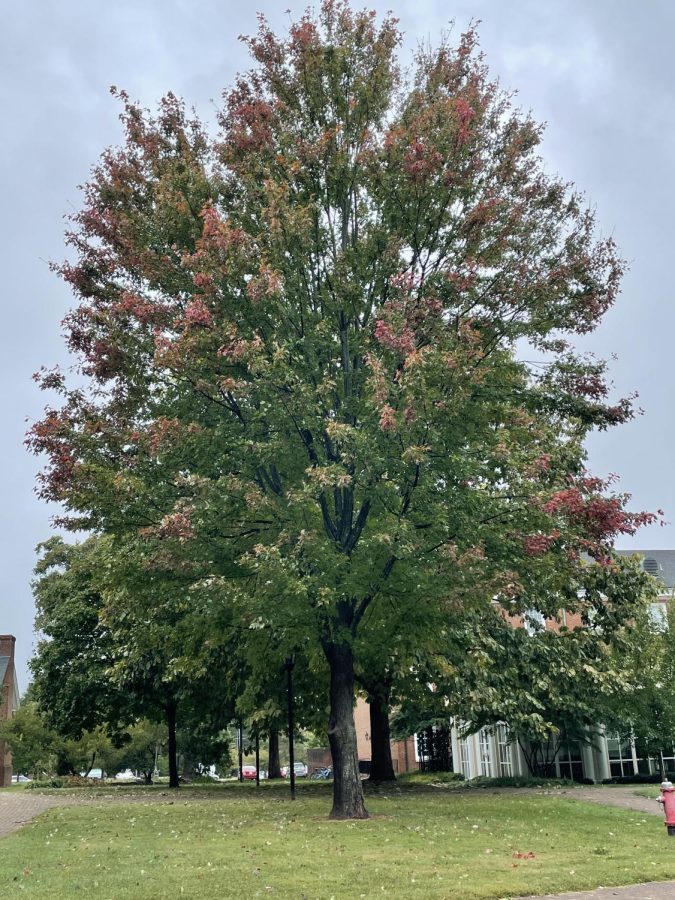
(9, 701)
(402, 752)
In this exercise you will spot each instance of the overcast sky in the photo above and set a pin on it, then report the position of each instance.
(599, 73)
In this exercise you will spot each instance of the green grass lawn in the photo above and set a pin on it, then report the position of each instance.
(241, 842)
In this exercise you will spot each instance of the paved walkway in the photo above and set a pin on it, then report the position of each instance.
(19, 807)
(623, 797)
(653, 890)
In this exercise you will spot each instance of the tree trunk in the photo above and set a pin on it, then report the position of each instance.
(91, 764)
(274, 765)
(64, 766)
(185, 766)
(381, 765)
(173, 755)
(348, 800)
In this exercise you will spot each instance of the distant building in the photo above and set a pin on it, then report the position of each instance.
(404, 756)
(660, 564)
(9, 701)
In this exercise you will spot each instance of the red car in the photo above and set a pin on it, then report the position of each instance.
(248, 773)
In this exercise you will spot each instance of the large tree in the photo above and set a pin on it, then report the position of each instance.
(300, 337)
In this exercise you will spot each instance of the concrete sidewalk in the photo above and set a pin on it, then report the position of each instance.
(653, 890)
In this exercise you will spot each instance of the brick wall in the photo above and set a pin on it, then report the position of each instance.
(318, 758)
(403, 755)
(7, 642)
(402, 752)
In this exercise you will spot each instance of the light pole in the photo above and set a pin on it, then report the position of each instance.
(241, 751)
(288, 665)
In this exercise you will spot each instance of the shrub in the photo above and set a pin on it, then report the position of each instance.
(633, 779)
(63, 781)
(517, 781)
(46, 783)
(431, 778)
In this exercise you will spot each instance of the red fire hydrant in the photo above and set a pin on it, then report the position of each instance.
(667, 798)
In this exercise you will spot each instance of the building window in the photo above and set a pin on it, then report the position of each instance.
(534, 621)
(434, 748)
(658, 616)
(504, 750)
(620, 756)
(465, 757)
(485, 752)
(569, 762)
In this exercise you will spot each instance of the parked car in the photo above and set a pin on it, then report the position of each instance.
(98, 774)
(127, 775)
(20, 779)
(248, 773)
(300, 770)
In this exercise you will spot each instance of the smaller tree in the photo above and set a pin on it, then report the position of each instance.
(138, 749)
(202, 744)
(71, 682)
(551, 685)
(645, 712)
(31, 741)
(39, 749)
(125, 638)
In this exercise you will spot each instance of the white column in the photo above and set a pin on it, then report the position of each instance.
(633, 752)
(456, 752)
(601, 755)
(474, 756)
(518, 764)
(587, 761)
(494, 755)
